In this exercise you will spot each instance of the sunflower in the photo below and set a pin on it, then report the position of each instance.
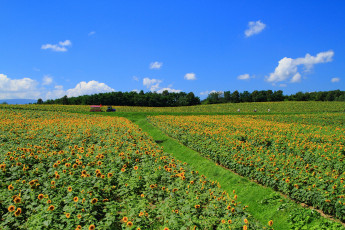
(40, 196)
(11, 208)
(17, 199)
(52, 182)
(10, 187)
(68, 215)
(245, 221)
(270, 223)
(32, 182)
(129, 224)
(197, 206)
(110, 175)
(229, 221)
(125, 219)
(136, 167)
(18, 212)
(75, 199)
(69, 189)
(94, 201)
(92, 227)
(79, 216)
(123, 170)
(51, 208)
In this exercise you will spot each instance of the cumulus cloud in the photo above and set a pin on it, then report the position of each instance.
(170, 90)
(58, 92)
(243, 77)
(82, 88)
(91, 33)
(254, 28)
(190, 76)
(212, 91)
(152, 84)
(288, 67)
(61, 47)
(47, 80)
(335, 79)
(87, 88)
(156, 65)
(25, 88)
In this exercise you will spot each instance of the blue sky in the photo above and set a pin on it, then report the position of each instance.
(49, 49)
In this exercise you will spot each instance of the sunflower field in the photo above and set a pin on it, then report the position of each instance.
(299, 155)
(260, 107)
(73, 171)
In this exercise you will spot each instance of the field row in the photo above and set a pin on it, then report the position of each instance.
(304, 161)
(73, 171)
(260, 107)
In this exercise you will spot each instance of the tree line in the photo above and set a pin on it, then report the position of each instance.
(167, 99)
(269, 95)
(150, 99)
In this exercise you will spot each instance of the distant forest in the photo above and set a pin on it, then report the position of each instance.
(166, 99)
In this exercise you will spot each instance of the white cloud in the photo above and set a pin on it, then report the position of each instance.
(190, 76)
(58, 92)
(169, 90)
(135, 90)
(212, 91)
(282, 85)
(47, 80)
(87, 88)
(288, 68)
(152, 84)
(135, 78)
(335, 79)
(156, 65)
(65, 43)
(296, 78)
(24, 88)
(82, 88)
(92, 33)
(243, 77)
(254, 28)
(61, 47)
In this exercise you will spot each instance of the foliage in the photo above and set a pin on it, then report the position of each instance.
(301, 159)
(152, 99)
(61, 170)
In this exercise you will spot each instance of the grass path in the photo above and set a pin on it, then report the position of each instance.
(264, 203)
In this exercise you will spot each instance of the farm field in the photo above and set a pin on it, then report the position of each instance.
(37, 141)
(299, 155)
(75, 171)
(261, 107)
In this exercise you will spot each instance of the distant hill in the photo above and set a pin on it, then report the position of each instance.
(17, 101)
